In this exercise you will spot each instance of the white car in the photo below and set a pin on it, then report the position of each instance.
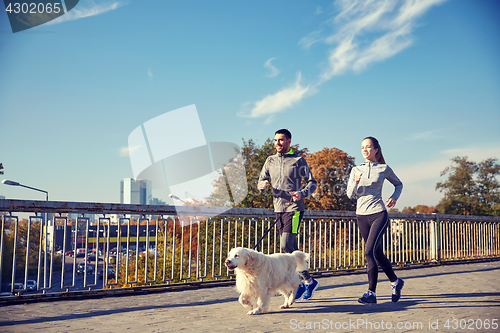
(31, 285)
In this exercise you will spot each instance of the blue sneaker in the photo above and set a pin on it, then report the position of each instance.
(301, 290)
(396, 289)
(310, 289)
(368, 298)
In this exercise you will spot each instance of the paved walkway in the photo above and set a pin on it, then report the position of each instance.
(450, 298)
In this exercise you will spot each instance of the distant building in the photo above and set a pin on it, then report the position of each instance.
(3, 213)
(135, 191)
(156, 201)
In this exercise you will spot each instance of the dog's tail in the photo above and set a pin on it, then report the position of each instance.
(302, 260)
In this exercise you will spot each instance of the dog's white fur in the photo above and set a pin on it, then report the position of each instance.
(260, 276)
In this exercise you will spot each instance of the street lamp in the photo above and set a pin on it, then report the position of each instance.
(13, 183)
(177, 198)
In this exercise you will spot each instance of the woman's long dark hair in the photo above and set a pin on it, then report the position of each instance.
(378, 156)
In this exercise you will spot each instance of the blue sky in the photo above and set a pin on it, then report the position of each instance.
(421, 76)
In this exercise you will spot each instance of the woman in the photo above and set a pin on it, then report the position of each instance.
(365, 183)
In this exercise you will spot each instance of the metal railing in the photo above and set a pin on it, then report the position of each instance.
(182, 246)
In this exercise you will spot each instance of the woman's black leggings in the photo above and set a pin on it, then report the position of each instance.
(372, 228)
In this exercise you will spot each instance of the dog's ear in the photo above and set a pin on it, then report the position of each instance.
(253, 255)
(252, 258)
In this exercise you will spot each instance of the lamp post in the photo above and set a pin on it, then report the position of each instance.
(13, 183)
(177, 198)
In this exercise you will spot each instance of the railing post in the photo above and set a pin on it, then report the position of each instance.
(434, 240)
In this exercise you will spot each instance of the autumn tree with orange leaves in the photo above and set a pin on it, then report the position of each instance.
(331, 168)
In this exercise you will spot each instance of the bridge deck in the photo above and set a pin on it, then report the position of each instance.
(452, 298)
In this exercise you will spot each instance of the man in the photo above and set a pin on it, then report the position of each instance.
(286, 171)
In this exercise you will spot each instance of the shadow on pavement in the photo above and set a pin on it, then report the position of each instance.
(90, 314)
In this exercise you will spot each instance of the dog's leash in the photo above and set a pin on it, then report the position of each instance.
(260, 240)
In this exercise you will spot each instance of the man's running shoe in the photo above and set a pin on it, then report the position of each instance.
(368, 298)
(301, 290)
(396, 289)
(310, 289)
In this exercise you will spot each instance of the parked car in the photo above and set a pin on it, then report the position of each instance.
(111, 274)
(17, 286)
(92, 257)
(31, 285)
(81, 269)
(70, 253)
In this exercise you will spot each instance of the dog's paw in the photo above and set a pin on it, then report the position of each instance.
(254, 312)
(284, 306)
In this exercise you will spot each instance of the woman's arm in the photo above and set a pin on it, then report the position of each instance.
(398, 186)
(352, 184)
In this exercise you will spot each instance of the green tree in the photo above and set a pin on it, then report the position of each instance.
(21, 247)
(330, 167)
(254, 157)
(471, 188)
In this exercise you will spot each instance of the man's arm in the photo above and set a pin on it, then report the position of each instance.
(264, 176)
(309, 178)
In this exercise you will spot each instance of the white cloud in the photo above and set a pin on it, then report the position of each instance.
(428, 135)
(313, 38)
(422, 171)
(364, 32)
(126, 151)
(389, 25)
(281, 100)
(150, 73)
(274, 71)
(428, 170)
(476, 154)
(415, 194)
(419, 180)
(87, 9)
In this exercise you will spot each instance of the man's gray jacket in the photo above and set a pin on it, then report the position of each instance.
(286, 172)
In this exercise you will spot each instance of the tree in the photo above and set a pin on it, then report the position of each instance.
(331, 168)
(471, 188)
(21, 249)
(253, 160)
(420, 209)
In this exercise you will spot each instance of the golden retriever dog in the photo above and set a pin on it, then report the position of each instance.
(260, 276)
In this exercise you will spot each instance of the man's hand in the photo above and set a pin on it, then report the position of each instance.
(296, 196)
(262, 185)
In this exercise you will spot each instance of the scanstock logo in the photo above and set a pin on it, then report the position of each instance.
(171, 152)
(28, 14)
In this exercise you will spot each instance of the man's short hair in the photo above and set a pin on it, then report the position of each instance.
(285, 132)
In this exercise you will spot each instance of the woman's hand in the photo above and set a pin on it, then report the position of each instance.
(390, 202)
(357, 178)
